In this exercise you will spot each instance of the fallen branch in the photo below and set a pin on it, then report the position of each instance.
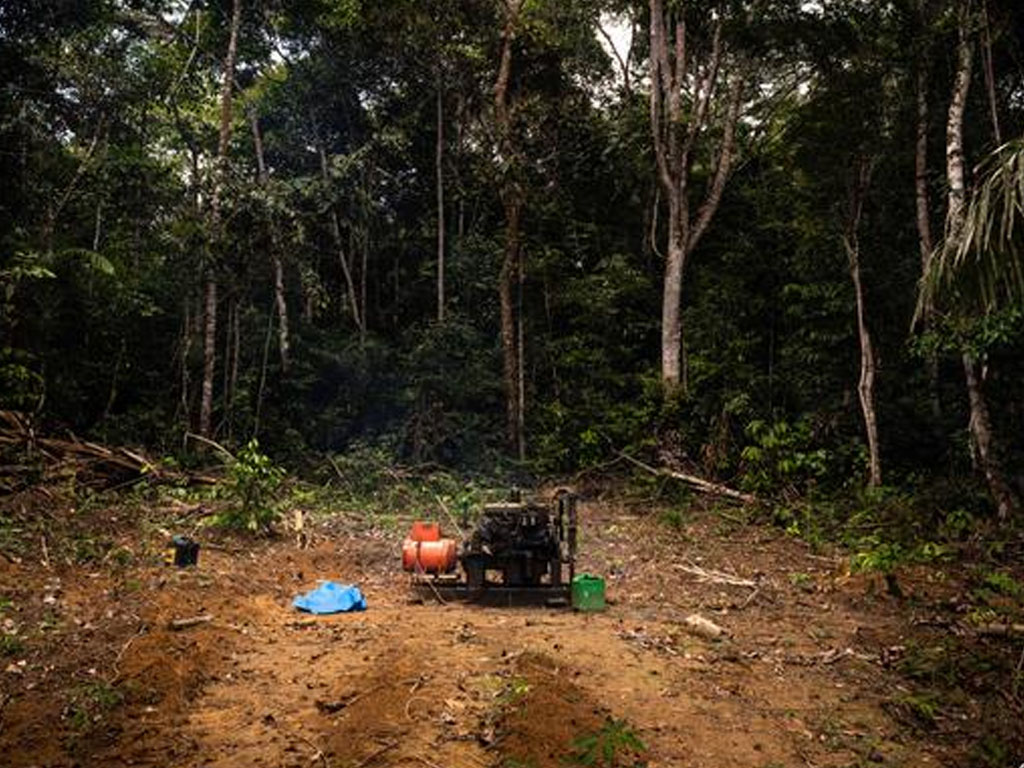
(716, 577)
(212, 443)
(444, 508)
(697, 483)
(318, 754)
(120, 654)
(377, 754)
(997, 629)
(178, 624)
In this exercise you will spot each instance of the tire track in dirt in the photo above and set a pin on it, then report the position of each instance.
(436, 685)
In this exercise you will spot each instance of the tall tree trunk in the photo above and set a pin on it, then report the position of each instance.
(214, 235)
(511, 265)
(1007, 503)
(460, 130)
(926, 243)
(209, 355)
(508, 282)
(866, 384)
(985, 450)
(236, 353)
(672, 304)
(677, 125)
(280, 298)
(185, 348)
(363, 261)
(439, 170)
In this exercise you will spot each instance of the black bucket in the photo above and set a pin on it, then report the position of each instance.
(184, 551)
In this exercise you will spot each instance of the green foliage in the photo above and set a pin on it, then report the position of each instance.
(10, 645)
(89, 703)
(369, 479)
(984, 269)
(874, 553)
(615, 745)
(781, 457)
(253, 483)
(803, 581)
(514, 692)
(107, 240)
(919, 709)
(672, 517)
(1003, 584)
(993, 752)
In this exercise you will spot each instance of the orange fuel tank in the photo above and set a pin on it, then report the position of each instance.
(424, 531)
(429, 556)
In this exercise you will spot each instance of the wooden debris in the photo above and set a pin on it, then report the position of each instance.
(716, 577)
(697, 483)
(698, 625)
(179, 624)
(109, 463)
(997, 629)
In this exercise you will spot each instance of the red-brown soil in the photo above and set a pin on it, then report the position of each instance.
(813, 671)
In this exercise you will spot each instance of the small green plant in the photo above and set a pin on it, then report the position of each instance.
(802, 581)
(875, 554)
(922, 708)
(672, 518)
(1003, 584)
(122, 557)
(991, 751)
(10, 645)
(253, 484)
(957, 524)
(515, 691)
(88, 703)
(610, 747)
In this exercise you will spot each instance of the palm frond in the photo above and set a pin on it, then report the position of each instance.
(980, 267)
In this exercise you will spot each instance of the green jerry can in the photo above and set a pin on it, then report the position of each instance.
(588, 593)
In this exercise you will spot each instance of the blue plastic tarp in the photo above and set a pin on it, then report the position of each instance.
(331, 598)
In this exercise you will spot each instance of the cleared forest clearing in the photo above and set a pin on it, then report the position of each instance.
(818, 667)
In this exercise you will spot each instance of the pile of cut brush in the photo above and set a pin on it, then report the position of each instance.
(29, 457)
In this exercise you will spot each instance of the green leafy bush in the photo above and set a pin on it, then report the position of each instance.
(253, 484)
(781, 457)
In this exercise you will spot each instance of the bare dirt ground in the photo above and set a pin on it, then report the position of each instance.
(818, 668)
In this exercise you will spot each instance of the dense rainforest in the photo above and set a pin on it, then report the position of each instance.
(729, 294)
(771, 243)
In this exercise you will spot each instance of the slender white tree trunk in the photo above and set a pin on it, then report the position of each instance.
(510, 277)
(868, 363)
(280, 297)
(214, 235)
(926, 244)
(439, 170)
(980, 426)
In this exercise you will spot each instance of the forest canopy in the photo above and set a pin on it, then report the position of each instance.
(773, 243)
